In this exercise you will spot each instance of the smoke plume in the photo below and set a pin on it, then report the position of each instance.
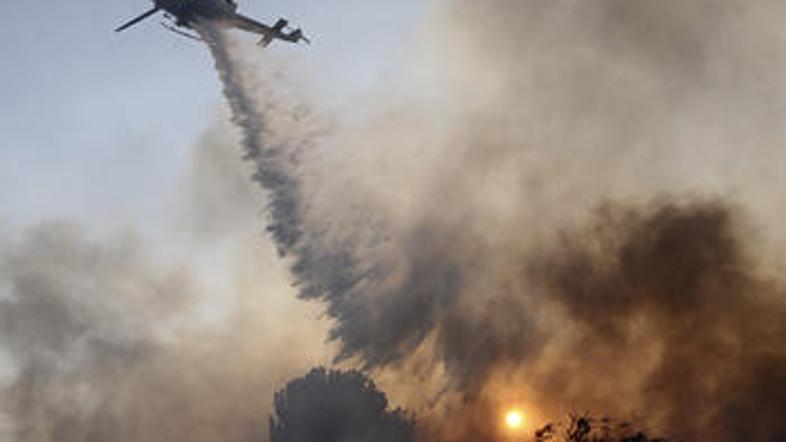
(666, 302)
(566, 205)
(450, 250)
(106, 337)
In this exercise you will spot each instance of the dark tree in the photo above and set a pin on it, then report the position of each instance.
(583, 428)
(335, 406)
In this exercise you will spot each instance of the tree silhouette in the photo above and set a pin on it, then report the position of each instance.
(336, 406)
(583, 428)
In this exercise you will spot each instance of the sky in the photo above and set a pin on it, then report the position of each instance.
(97, 126)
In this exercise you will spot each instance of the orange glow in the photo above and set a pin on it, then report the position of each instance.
(514, 419)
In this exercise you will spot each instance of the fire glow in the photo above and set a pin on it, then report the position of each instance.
(514, 420)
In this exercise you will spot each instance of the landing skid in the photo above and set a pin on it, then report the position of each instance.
(181, 33)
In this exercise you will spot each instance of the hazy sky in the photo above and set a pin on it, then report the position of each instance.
(97, 126)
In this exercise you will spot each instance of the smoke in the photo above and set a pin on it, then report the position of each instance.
(666, 303)
(69, 346)
(566, 205)
(563, 220)
(122, 337)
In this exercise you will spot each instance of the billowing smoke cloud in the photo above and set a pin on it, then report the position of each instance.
(450, 244)
(116, 337)
(666, 303)
(337, 406)
(73, 348)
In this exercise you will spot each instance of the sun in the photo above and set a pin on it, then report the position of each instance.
(514, 419)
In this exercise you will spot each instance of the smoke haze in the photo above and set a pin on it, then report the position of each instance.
(559, 205)
(119, 337)
(449, 245)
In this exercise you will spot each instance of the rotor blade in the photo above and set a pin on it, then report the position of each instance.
(137, 20)
(179, 32)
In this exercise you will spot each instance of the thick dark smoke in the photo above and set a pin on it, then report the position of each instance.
(668, 300)
(333, 406)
